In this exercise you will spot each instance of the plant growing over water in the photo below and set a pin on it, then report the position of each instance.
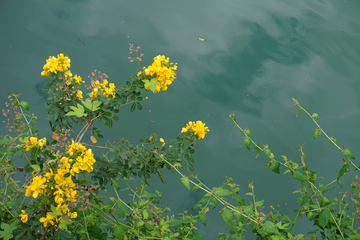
(58, 197)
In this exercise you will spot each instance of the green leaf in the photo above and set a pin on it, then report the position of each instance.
(25, 105)
(186, 182)
(4, 141)
(324, 217)
(298, 111)
(316, 133)
(77, 111)
(202, 218)
(259, 203)
(112, 199)
(268, 228)
(247, 142)
(122, 206)
(257, 151)
(145, 214)
(36, 168)
(93, 106)
(133, 106)
(299, 176)
(6, 234)
(267, 151)
(238, 199)
(119, 231)
(354, 237)
(315, 116)
(222, 192)
(275, 166)
(345, 169)
(347, 152)
(151, 83)
(55, 212)
(63, 224)
(10, 203)
(116, 185)
(227, 216)
(139, 106)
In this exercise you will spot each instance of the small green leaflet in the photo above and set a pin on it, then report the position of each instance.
(186, 182)
(77, 111)
(25, 105)
(347, 152)
(151, 83)
(316, 133)
(222, 192)
(247, 142)
(93, 106)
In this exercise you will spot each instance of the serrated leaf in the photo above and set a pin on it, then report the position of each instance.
(121, 206)
(345, 169)
(259, 203)
(258, 151)
(299, 176)
(186, 182)
(347, 152)
(247, 142)
(324, 217)
(202, 219)
(227, 216)
(238, 199)
(222, 192)
(4, 141)
(116, 185)
(275, 166)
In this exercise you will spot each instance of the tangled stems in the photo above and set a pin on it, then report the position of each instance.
(206, 189)
(331, 139)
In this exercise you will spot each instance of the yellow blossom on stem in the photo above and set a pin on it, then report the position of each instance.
(163, 142)
(79, 95)
(47, 220)
(198, 129)
(55, 136)
(36, 187)
(24, 216)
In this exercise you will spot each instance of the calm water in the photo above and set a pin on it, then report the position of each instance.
(255, 57)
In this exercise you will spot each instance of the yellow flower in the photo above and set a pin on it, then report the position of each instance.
(164, 72)
(48, 219)
(79, 95)
(24, 216)
(55, 136)
(198, 129)
(73, 215)
(36, 187)
(162, 140)
(42, 142)
(33, 142)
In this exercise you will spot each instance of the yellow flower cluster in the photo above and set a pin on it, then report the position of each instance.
(197, 129)
(24, 216)
(164, 71)
(78, 158)
(102, 89)
(34, 142)
(59, 64)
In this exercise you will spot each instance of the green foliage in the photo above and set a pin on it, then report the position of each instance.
(144, 216)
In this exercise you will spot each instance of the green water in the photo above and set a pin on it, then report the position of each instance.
(256, 56)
